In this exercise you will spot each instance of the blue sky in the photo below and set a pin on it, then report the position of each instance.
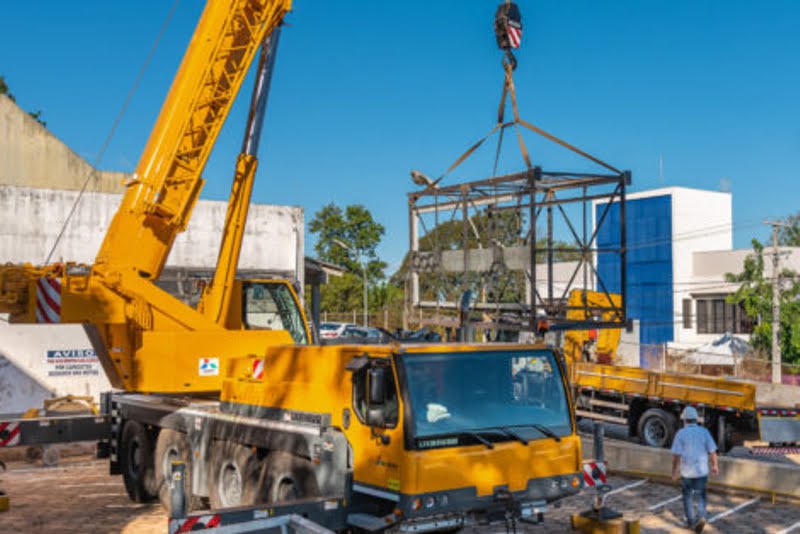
(364, 91)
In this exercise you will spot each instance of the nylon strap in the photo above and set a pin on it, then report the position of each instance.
(509, 90)
(566, 145)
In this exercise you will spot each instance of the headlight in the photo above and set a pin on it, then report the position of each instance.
(563, 484)
(554, 484)
(429, 502)
(443, 500)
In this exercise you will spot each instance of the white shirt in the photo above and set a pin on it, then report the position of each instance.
(693, 443)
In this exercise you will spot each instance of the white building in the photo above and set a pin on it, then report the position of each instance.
(679, 249)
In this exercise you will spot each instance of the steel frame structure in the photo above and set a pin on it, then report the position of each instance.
(541, 197)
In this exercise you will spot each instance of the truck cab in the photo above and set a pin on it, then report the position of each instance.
(441, 436)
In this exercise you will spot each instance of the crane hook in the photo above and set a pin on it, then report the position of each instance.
(508, 31)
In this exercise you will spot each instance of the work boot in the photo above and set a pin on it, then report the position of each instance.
(700, 525)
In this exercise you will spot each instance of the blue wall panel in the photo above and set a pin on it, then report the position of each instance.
(649, 273)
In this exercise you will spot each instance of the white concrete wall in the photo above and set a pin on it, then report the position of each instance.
(30, 220)
(701, 221)
(28, 374)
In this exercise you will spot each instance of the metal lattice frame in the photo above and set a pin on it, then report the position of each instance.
(535, 197)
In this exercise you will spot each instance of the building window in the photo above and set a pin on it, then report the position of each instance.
(687, 313)
(715, 316)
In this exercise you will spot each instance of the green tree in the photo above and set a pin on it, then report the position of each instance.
(789, 236)
(348, 238)
(355, 228)
(755, 296)
(4, 90)
(37, 116)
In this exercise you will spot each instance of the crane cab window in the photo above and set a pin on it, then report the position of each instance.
(271, 306)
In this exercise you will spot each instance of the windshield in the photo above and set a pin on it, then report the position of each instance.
(271, 306)
(501, 395)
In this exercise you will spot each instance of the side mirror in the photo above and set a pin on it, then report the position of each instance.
(376, 416)
(377, 386)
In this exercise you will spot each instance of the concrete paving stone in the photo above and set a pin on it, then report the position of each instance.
(48, 500)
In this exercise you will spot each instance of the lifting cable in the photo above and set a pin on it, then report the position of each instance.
(117, 120)
(508, 32)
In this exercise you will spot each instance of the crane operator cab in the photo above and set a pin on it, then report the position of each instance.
(268, 305)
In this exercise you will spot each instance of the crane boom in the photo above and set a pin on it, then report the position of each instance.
(166, 184)
(146, 339)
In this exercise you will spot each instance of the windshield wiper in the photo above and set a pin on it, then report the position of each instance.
(541, 428)
(476, 435)
(546, 431)
(510, 433)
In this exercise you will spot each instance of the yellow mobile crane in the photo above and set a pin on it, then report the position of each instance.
(422, 438)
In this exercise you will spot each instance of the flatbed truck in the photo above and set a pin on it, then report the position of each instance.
(649, 402)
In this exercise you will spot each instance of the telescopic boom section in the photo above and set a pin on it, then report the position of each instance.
(217, 296)
(159, 199)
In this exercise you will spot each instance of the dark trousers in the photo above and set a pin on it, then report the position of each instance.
(694, 487)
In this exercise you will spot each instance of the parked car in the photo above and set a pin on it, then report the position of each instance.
(359, 335)
(332, 330)
(423, 335)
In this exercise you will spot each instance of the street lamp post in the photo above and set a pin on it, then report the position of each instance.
(363, 263)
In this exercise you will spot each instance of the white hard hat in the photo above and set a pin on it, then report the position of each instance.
(689, 413)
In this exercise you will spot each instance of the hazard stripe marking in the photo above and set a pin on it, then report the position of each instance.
(48, 300)
(11, 433)
(258, 369)
(594, 473)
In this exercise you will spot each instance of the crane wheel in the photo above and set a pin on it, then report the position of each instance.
(235, 475)
(136, 461)
(289, 477)
(657, 428)
(172, 446)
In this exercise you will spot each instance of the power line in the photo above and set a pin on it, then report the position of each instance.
(111, 133)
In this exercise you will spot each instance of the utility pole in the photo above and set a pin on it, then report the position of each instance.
(776, 302)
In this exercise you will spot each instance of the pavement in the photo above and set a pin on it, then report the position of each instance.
(80, 496)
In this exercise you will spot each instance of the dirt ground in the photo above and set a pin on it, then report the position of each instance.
(77, 496)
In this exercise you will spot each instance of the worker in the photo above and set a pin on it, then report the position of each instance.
(691, 450)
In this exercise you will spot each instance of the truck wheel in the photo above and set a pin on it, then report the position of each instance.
(234, 477)
(289, 477)
(136, 461)
(656, 428)
(172, 446)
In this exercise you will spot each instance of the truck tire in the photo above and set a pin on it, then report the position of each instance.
(235, 475)
(289, 477)
(136, 461)
(173, 446)
(657, 428)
